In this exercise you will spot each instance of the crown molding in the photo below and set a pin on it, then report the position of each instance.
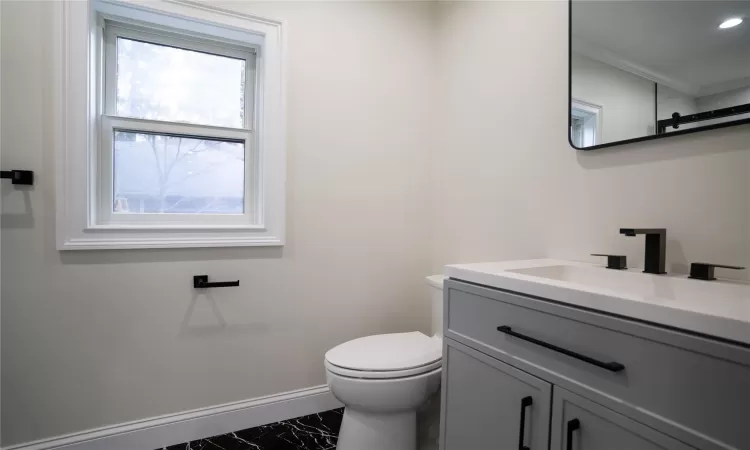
(606, 56)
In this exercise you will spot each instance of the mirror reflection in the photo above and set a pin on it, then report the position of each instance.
(650, 68)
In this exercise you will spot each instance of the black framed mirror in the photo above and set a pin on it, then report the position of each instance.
(649, 69)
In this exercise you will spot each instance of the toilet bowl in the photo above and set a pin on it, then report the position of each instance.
(383, 380)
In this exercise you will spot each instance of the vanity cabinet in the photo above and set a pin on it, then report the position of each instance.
(630, 384)
(491, 405)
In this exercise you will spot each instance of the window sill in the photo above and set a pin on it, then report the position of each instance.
(174, 227)
(122, 243)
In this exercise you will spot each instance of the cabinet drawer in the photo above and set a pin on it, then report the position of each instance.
(696, 387)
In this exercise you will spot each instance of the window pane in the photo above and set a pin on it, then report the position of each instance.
(168, 83)
(168, 174)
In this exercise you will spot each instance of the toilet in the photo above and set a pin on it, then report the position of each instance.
(383, 380)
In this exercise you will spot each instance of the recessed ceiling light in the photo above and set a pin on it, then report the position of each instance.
(729, 23)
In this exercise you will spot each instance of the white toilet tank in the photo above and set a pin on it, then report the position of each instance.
(435, 283)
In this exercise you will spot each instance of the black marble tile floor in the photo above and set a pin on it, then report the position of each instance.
(313, 432)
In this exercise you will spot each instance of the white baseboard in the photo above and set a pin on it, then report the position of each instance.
(187, 426)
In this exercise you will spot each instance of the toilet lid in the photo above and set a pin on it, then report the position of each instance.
(387, 352)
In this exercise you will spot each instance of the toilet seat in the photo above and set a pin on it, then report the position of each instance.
(382, 375)
(386, 356)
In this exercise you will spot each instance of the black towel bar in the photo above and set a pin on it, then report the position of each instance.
(201, 282)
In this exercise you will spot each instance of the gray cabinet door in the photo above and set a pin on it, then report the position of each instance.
(580, 424)
(485, 401)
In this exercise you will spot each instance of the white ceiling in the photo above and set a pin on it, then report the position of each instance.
(675, 39)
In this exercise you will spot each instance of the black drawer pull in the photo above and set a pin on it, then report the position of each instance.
(525, 403)
(573, 425)
(611, 366)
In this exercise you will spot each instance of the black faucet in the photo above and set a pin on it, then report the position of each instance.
(656, 247)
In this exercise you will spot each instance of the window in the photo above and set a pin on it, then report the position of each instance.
(585, 127)
(184, 144)
(176, 143)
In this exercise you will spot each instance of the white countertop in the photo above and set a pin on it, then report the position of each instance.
(716, 308)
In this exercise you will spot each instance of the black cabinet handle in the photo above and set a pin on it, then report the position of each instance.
(611, 366)
(201, 282)
(573, 425)
(705, 271)
(525, 403)
(617, 262)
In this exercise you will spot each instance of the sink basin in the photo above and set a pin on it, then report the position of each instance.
(606, 278)
(641, 284)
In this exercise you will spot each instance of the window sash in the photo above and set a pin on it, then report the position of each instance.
(101, 214)
(170, 39)
(105, 216)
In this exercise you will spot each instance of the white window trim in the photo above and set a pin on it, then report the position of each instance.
(596, 110)
(77, 123)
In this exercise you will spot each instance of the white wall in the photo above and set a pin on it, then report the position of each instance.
(102, 337)
(507, 185)
(627, 100)
(671, 101)
(726, 99)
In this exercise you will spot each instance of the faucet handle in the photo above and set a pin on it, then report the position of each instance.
(617, 262)
(705, 271)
